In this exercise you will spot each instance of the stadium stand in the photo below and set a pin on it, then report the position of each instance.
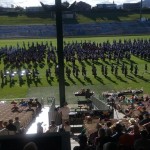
(76, 29)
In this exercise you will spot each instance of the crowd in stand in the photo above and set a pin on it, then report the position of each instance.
(129, 133)
(18, 115)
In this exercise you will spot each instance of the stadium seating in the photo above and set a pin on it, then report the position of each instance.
(25, 117)
(133, 27)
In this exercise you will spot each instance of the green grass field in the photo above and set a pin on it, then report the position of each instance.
(50, 88)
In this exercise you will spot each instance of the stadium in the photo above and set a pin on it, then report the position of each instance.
(76, 80)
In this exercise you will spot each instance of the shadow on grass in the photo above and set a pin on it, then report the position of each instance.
(88, 63)
(82, 63)
(121, 79)
(66, 83)
(107, 77)
(142, 78)
(131, 78)
(106, 62)
(22, 82)
(132, 61)
(125, 62)
(72, 80)
(83, 83)
(50, 80)
(88, 80)
(29, 82)
(41, 65)
(99, 79)
(37, 82)
(98, 63)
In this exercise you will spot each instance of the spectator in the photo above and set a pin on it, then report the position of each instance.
(145, 120)
(17, 124)
(135, 132)
(64, 111)
(13, 102)
(30, 146)
(5, 124)
(94, 135)
(1, 124)
(15, 108)
(39, 127)
(11, 126)
(52, 127)
(57, 116)
(143, 143)
(118, 132)
(82, 143)
(100, 140)
(23, 103)
(110, 146)
(29, 108)
(38, 105)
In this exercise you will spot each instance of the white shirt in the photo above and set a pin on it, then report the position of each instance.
(18, 125)
(64, 112)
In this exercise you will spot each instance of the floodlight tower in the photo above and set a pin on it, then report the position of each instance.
(141, 10)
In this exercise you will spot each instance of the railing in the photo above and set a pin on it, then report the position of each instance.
(51, 101)
(99, 104)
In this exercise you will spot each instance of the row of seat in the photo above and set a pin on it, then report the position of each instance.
(25, 117)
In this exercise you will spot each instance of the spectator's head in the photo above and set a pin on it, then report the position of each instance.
(65, 104)
(144, 134)
(136, 129)
(108, 124)
(82, 139)
(5, 124)
(132, 121)
(110, 146)
(98, 126)
(144, 108)
(52, 122)
(118, 127)
(39, 123)
(16, 118)
(146, 116)
(10, 121)
(101, 132)
(30, 146)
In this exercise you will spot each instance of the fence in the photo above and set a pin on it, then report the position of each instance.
(99, 104)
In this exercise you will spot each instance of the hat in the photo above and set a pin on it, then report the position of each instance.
(132, 121)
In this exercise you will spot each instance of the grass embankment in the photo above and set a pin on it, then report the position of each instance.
(84, 17)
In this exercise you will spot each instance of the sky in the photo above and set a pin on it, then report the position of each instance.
(27, 3)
